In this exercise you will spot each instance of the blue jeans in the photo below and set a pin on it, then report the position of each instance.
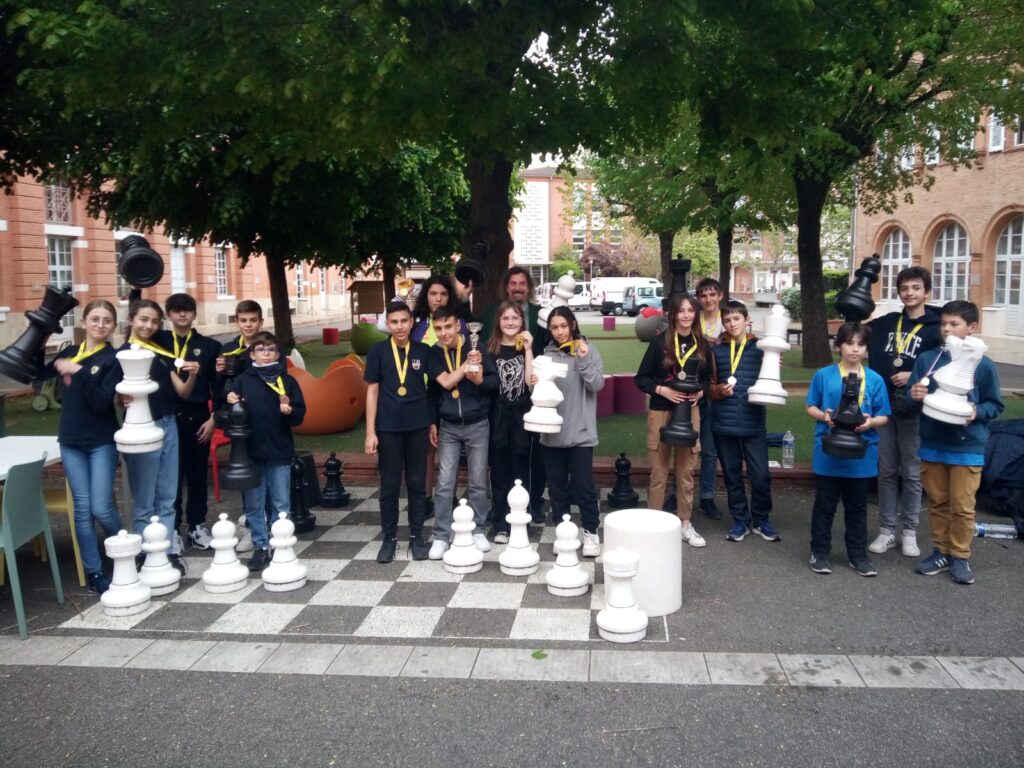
(90, 473)
(153, 478)
(451, 438)
(708, 457)
(275, 487)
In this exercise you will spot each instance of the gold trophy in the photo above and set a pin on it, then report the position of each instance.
(474, 339)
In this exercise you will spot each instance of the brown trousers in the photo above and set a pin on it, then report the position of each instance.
(951, 493)
(685, 459)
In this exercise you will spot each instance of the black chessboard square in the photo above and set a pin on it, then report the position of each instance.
(419, 594)
(475, 622)
(333, 550)
(361, 518)
(185, 617)
(327, 620)
(371, 570)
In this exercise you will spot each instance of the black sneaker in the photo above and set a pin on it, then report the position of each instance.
(430, 510)
(140, 560)
(98, 582)
(710, 509)
(418, 547)
(386, 553)
(180, 564)
(864, 567)
(820, 564)
(260, 559)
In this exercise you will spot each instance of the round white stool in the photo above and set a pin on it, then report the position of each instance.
(657, 538)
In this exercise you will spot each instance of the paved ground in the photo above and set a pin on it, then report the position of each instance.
(766, 664)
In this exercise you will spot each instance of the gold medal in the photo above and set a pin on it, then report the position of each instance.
(402, 391)
(455, 394)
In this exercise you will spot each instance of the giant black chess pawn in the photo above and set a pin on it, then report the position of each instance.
(679, 431)
(300, 515)
(239, 473)
(843, 442)
(679, 267)
(334, 494)
(622, 496)
(855, 302)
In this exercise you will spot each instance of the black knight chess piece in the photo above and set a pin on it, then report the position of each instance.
(622, 496)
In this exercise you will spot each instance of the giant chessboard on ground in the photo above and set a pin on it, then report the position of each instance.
(349, 595)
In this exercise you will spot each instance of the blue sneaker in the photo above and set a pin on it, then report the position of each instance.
(98, 582)
(935, 563)
(738, 532)
(960, 570)
(765, 530)
(820, 563)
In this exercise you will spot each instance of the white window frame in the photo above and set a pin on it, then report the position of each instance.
(300, 281)
(895, 257)
(60, 269)
(996, 133)
(932, 156)
(57, 204)
(220, 270)
(1018, 134)
(951, 264)
(1009, 263)
(908, 157)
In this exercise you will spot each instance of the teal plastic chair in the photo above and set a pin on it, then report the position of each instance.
(24, 518)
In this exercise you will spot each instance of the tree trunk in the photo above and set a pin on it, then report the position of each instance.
(810, 195)
(278, 277)
(489, 176)
(724, 259)
(665, 242)
(388, 273)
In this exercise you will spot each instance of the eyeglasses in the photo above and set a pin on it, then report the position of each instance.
(264, 350)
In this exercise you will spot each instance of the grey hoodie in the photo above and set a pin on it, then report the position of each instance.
(579, 409)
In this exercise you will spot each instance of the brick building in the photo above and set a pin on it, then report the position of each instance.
(46, 237)
(968, 229)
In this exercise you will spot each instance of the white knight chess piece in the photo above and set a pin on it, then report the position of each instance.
(565, 289)
(543, 416)
(955, 381)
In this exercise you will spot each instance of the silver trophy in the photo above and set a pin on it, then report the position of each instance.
(474, 339)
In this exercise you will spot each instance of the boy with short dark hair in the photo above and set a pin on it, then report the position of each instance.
(739, 426)
(193, 416)
(953, 456)
(709, 294)
(465, 380)
(275, 405)
(897, 340)
(398, 420)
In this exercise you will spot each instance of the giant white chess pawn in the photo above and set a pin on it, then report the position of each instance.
(546, 396)
(127, 595)
(463, 556)
(955, 381)
(565, 289)
(767, 390)
(226, 573)
(621, 621)
(567, 577)
(519, 558)
(157, 573)
(139, 434)
(285, 572)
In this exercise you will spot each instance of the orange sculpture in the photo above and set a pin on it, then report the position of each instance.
(335, 401)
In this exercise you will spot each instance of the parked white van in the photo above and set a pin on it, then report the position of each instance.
(606, 293)
(580, 299)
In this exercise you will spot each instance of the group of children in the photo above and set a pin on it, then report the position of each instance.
(189, 370)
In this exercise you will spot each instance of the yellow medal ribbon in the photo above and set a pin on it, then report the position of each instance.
(689, 353)
(901, 340)
(452, 365)
(401, 367)
(152, 347)
(83, 353)
(704, 327)
(180, 352)
(241, 348)
(734, 358)
(570, 347)
(277, 387)
(863, 381)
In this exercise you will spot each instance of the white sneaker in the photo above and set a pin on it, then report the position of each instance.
(591, 544)
(481, 542)
(437, 549)
(909, 542)
(884, 543)
(691, 537)
(200, 538)
(501, 537)
(177, 545)
(245, 542)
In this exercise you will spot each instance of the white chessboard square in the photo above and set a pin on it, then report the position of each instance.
(330, 516)
(256, 618)
(350, 533)
(354, 592)
(197, 594)
(483, 594)
(394, 621)
(551, 624)
(95, 618)
(319, 569)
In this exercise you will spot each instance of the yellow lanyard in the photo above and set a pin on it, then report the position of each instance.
(152, 347)
(180, 352)
(430, 337)
(570, 347)
(734, 358)
(401, 366)
(901, 340)
(682, 360)
(82, 353)
(863, 381)
(241, 348)
(458, 355)
(714, 328)
(277, 387)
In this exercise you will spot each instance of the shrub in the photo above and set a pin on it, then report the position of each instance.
(790, 299)
(835, 279)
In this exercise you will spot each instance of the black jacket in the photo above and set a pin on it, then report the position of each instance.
(87, 414)
(474, 401)
(203, 350)
(271, 439)
(882, 347)
(652, 372)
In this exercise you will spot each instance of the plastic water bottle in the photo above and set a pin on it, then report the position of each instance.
(788, 450)
(995, 531)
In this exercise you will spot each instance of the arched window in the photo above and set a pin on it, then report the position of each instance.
(1009, 274)
(951, 264)
(895, 256)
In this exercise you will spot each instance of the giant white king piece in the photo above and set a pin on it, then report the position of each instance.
(767, 390)
(949, 402)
